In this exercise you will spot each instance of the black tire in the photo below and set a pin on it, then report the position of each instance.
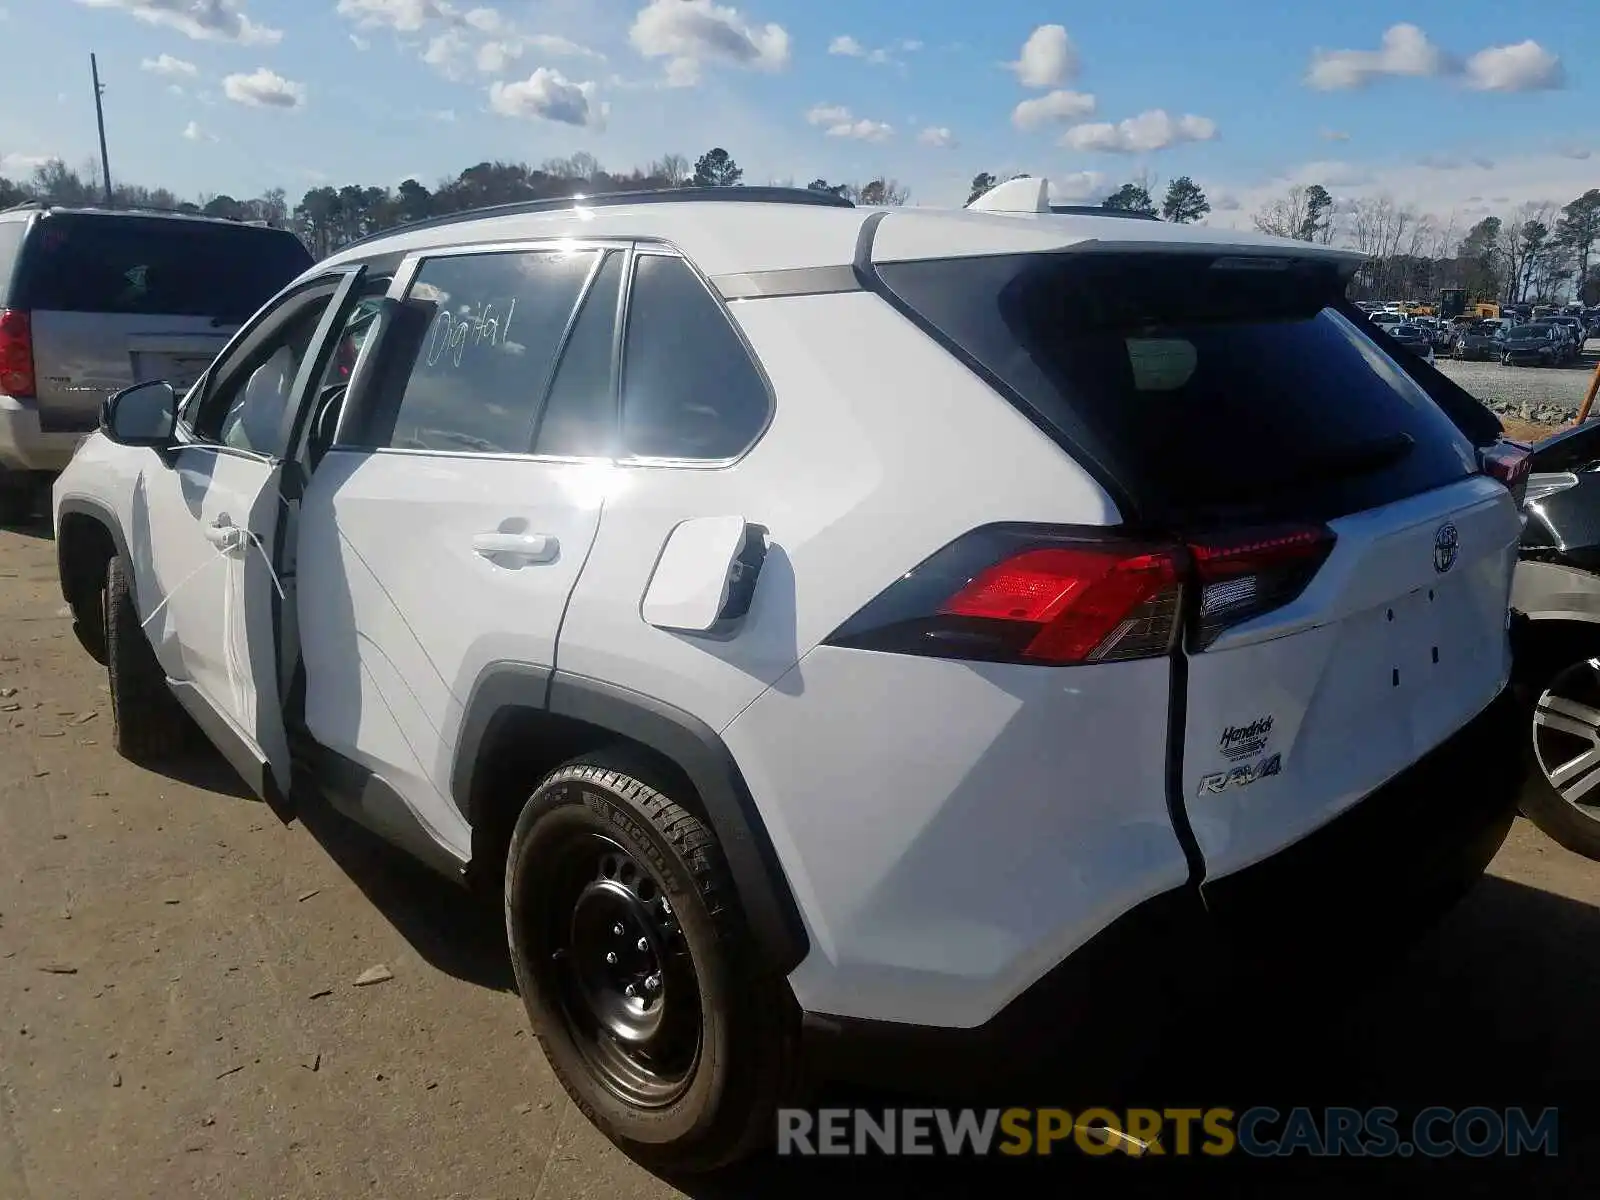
(1554, 677)
(148, 725)
(596, 843)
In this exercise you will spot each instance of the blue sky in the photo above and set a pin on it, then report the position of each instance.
(1455, 106)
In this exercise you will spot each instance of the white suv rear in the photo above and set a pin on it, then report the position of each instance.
(835, 629)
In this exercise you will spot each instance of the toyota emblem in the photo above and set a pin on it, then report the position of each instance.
(1445, 543)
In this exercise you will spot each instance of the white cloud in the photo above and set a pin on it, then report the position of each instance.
(494, 57)
(1077, 186)
(1051, 107)
(838, 121)
(1048, 58)
(360, 43)
(203, 20)
(1404, 51)
(403, 16)
(938, 137)
(550, 96)
(20, 164)
(1153, 130)
(689, 33)
(847, 46)
(1524, 67)
(827, 114)
(909, 45)
(862, 130)
(263, 88)
(168, 67)
(481, 35)
(193, 133)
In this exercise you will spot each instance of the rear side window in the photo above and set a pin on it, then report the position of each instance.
(689, 389)
(1206, 389)
(580, 416)
(10, 245)
(496, 325)
(138, 265)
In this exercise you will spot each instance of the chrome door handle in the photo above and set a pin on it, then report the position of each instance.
(529, 547)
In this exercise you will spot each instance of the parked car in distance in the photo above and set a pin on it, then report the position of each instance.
(1414, 338)
(92, 300)
(1533, 345)
(1387, 318)
(818, 761)
(1576, 329)
(1478, 340)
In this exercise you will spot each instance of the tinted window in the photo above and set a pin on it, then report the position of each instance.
(580, 417)
(1205, 391)
(689, 389)
(78, 263)
(10, 242)
(495, 326)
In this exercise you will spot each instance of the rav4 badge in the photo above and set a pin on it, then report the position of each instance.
(1240, 776)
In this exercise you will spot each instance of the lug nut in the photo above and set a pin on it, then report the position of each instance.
(630, 991)
(665, 907)
(652, 983)
(643, 945)
(611, 957)
(616, 930)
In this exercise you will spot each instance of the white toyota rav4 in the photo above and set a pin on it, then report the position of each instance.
(838, 630)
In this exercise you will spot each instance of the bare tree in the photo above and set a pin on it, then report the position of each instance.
(674, 168)
(1285, 216)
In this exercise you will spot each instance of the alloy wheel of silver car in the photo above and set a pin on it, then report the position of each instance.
(1566, 736)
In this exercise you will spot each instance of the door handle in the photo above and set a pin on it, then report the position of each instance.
(224, 535)
(529, 547)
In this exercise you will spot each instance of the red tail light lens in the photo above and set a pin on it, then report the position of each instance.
(1087, 604)
(1029, 594)
(16, 354)
(1509, 462)
(1053, 596)
(1244, 575)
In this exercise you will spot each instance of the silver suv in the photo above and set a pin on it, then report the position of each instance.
(93, 300)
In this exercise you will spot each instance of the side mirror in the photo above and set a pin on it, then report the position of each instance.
(145, 414)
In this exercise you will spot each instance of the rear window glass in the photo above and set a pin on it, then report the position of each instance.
(10, 242)
(99, 264)
(1204, 389)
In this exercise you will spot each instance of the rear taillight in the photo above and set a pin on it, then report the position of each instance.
(16, 354)
(1044, 595)
(1244, 575)
(1509, 462)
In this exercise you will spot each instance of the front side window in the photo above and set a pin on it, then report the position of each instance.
(495, 325)
(689, 388)
(245, 406)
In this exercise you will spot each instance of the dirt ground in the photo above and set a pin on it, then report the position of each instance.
(179, 1015)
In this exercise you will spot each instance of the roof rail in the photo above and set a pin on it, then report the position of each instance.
(22, 204)
(1100, 210)
(740, 194)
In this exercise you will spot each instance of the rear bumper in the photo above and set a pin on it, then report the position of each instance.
(26, 447)
(1360, 887)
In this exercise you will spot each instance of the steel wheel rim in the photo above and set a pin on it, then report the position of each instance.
(644, 1045)
(1566, 736)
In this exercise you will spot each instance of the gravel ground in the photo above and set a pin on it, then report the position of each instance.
(1544, 394)
(179, 1015)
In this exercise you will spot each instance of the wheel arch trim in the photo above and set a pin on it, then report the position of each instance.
(678, 736)
(83, 506)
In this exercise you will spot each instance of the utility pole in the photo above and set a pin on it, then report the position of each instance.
(100, 119)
